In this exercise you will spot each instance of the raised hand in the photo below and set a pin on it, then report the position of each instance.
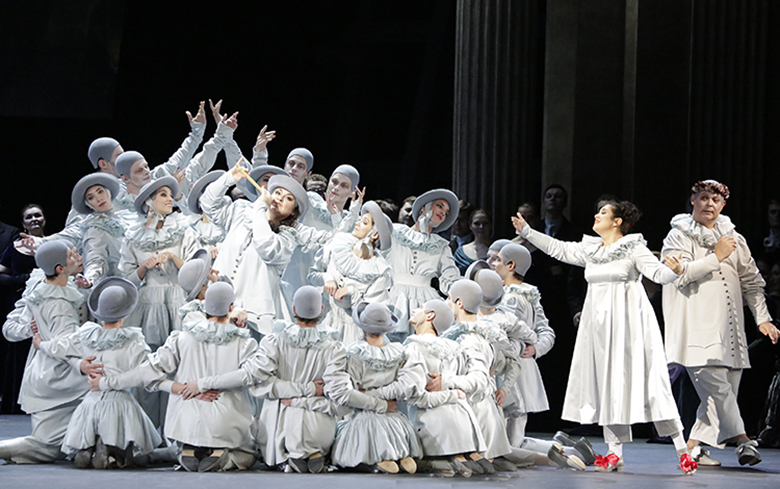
(358, 195)
(518, 222)
(27, 243)
(231, 122)
(263, 139)
(200, 117)
(215, 110)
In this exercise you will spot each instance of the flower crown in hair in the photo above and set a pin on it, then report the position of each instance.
(710, 186)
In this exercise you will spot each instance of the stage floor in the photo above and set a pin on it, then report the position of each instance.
(647, 466)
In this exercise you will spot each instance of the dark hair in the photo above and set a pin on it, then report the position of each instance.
(626, 211)
(30, 206)
(480, 211)
(560, 187)
(389, 208)
(209, 316)
(409, 199)
(467, 207)
(288, 221)
(308, 321)
(606, 199)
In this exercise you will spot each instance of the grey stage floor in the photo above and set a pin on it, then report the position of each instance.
(647, 466)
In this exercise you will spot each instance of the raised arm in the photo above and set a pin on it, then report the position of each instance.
(181, 158)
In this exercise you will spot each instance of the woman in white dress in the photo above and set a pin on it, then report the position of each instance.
(352, 270)
(382, 438)
(419, 254)
(108, 429)
(618, 374)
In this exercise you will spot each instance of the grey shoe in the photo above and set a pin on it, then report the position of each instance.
(563, 439)
(474, 466)
(747, 453)
(562, 460)
(298, 465)
(702, 457)
(83, 459)
(214, 461)
(461, 468)
(503, 465)
(100, 458)
(585, 449)
(443, 468)
(487, 467)
(316, 465)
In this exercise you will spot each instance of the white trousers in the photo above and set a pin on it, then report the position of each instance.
(43, 445)
(718, 418)
(621, 433)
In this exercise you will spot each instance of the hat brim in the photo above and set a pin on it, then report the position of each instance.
(152, 187)
(257, 173)
(199, 187)
(373, 329)
(383, 223)
(288, 183)
(78, 196)
(471, 271)
(205, 256)
(430, 196)
(103, 284)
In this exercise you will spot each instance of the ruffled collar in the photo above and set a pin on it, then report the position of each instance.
(146, 239)
(597, 254)
(481, 327)
(437, 346)
(409, 238)
(527, 291)
(703, 236)
(312, 338)
(208, 233)
(93, 336)
(195, 305)
(377, 357)
(350, 265)
(207, 331)
(45, 291)
(106, 221)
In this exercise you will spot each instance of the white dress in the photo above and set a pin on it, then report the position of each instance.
(115, 416)
(369, 436)
(102, 245)
(159, 293)
(618, 372)
(366, 280)
(445, 424)
(416, 258)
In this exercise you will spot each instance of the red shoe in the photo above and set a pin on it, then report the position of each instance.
(609, 463)
(687, 464)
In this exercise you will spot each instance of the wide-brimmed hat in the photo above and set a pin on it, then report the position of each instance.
(444, 317)
(257, 173)
(288, 183)
(430, 196)
(195, 273)
(199, 187)
(112, 299)
(374, 317)
(382, 223)
(50, 254)
(78, 196)
(152, 187)
(471, 271)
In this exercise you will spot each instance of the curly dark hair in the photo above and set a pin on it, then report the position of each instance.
(288, 221)
(626, 211)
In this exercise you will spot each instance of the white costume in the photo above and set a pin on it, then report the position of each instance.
(102, 245)
(705, 328)
(416, 258)
(114, 416)
(367, 280)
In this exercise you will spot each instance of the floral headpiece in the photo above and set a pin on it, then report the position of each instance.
(710, 186)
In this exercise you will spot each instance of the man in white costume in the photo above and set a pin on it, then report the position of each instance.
(705, 328)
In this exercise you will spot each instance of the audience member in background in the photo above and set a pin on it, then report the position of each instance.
(772, 241)
(481, 226)
(389, 207)
(316, 183)
(461, 230)
(405, 212)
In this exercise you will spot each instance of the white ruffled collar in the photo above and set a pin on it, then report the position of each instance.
(207, 331)
(195, 305)
(377, 357)
(528, 291)
(45, 291)
(313, 338)
(352, 266)
(95, 337)
(598, 254)
(106, 221)
(415, 240)
(437, 346)
(481, 327)
(155, 239)
(702, 235)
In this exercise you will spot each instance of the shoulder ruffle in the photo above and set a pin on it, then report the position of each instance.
(377, 358)
(93, 336)
(314, 338)
(213, 332)
(437, 346)
(597, 254)
(704, 237)
(209, 234)
(409, 238)
(155, 239)
(481, 327)
(43, 291)
(112, 225)
(527, 291)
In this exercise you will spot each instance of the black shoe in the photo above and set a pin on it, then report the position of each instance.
(503, 465)
(474, 466)
(187, 459)
(563, 439)
(748, 454)
(316, 465)
(487, 467)
(100, 458)
(83, 459)
(214, 461)
(298, 465)
(585, 449)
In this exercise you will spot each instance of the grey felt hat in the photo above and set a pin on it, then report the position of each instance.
(492, 288)
(124, 162)
(350, 172)
(374, 318)
(517, 254)
(444, 317)
(219, 298)
(112, 299)
(199, 187)
(382, 223)
(78, 196)
(471, 271)
(305, 154)
(51, 254)
(469, 293)
(257, 173)
(101, 148)
(288, 183)
(499, 243)
(307, 302)
(195, 273)
(150, 188)
(430, 196)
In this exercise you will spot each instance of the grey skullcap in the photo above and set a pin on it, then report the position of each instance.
(51, 254)
(101, 148)
(517, 254)
(469, 293)
(112, 299)
(430, 196)
(124, 163)
(499, 243)
(79, 195)
(306, 154)
(219, 298)
(307, 302)
(350, 172)
(374, 318)
(382, 223)
(474, 268)
(195, 273)
(492, 288)
(295, 188)
(150, 189)
(444, 316)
